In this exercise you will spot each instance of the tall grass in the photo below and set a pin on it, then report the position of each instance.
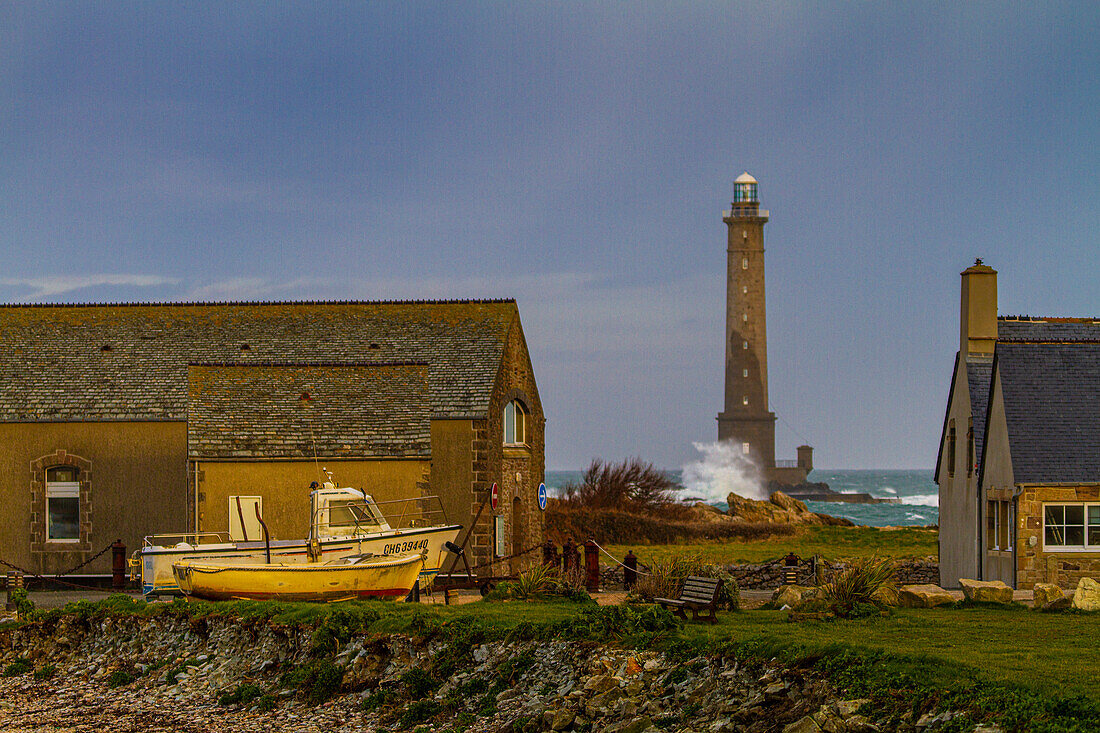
(857, 589)
(664, 579)
(633, 485)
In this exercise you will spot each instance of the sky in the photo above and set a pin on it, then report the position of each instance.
(577, 157)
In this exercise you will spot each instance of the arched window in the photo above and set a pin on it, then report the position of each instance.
(63, 504)
(515, 423)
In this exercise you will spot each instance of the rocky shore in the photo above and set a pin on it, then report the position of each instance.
(214, 674)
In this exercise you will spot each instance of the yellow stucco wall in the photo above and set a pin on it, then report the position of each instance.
(138, 474)
(284, 486)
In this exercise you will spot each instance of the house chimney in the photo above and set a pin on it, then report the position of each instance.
(978, 312)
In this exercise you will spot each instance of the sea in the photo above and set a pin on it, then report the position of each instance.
(919, 505)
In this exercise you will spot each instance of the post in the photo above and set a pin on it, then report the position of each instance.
(550, 556)
(568, 556)
(630, 571)
(790, 569)
(118, 565)
(14, 581)
(591, 566)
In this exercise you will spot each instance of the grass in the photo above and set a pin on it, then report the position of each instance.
(1053, 654)
(831, 543)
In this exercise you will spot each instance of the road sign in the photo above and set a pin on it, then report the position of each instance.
(542, 497)
(494, 496)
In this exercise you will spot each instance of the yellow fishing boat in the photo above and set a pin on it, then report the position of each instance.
(357, 576)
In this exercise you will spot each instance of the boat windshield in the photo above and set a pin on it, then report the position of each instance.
(351, 514)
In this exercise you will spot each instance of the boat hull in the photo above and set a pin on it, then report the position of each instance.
(156, 561)
(386, 577)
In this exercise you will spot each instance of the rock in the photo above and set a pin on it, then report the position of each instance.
(638, 725)
(562, 719)
(985, 591)
(847, 708)
(886, 595)
(923, 596)
(600, 683)
(803, 725)
(793, 595)
(1050, 597)
(1087, 595)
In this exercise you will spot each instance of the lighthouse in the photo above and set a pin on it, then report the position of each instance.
(747, 419)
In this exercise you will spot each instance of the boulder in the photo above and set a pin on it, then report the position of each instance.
(986, 591)
(777, 509)
(793, 595)
(803, 725)
(1087, 595)
(1050, 597)
(923, 596)
(886, 595)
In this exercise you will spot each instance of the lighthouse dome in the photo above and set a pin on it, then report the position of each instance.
(745, 178)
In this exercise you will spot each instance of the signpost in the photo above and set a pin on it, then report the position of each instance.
(494, 496)
(542, 497)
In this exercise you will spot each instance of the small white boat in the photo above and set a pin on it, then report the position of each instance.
(344, 522)
(345, 579)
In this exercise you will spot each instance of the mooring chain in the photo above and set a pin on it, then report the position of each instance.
(57, 578)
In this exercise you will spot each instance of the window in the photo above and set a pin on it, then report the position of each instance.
(745, 289)
(745, 448)
(1071, 526)
(970, 448)
(991, 525)
(745, 317)
(744, 372)
(744, 263)
(745, 399)
(999, 523)
(515, 419)
(501, 537)
(62, 504)
(744, 344)
(951, 449)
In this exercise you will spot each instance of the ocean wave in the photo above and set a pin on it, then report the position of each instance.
(889, 490)
(911, 516)
(921, 500)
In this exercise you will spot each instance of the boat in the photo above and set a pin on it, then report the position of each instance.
(344, 522)
(343, 579)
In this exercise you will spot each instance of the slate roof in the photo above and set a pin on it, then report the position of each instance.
(978, 374)
(129, 361)
(295, 411)
(1011, 328)
(1051, 397)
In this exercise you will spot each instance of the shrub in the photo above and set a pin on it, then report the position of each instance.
(659, 527)
(120, 678)
(665, 578)
(18, 667)
(318, 680)
(340, 625)
(45, 672)
(242, 695)
(851, 592)
(633, 485)
(419, 711)
(21, 601)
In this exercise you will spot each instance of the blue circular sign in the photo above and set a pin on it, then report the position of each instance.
(542, 497)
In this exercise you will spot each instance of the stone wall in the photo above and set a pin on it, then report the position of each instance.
(1034, 562)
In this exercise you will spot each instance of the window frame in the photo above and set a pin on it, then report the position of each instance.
(69, 490)
(1085, 525)
(517, 435)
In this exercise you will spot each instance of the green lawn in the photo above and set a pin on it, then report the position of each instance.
(831, 543)
(1051, 653)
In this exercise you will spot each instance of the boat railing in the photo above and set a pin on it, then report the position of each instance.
(191, 538)
(408, 513)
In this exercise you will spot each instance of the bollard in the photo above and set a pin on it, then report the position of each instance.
(14, 581)
(568, 556)
(630, 570)
(118, 565)
(550, 557)
(591, 566)
(790, 569)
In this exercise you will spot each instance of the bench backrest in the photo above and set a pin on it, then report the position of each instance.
(700, 590)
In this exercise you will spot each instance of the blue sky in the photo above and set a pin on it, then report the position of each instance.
(578, 158)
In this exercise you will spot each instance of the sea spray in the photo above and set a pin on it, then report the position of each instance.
(722, 469)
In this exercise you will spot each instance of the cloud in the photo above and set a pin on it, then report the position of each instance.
(49, 286)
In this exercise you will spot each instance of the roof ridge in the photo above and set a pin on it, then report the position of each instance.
(1050, 319)
(194, 303)
(306, 363)
(1047, 341)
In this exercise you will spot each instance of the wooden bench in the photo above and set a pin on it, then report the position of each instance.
(698, 594)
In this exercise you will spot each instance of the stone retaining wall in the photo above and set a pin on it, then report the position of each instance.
(769, 575)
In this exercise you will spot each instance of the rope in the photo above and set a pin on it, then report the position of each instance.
(510, 557)
(639, 572)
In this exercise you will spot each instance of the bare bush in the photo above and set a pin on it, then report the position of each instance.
(633, 485)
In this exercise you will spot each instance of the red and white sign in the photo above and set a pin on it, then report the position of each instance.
(494, 496)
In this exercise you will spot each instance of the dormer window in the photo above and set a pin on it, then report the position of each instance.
(515, 423)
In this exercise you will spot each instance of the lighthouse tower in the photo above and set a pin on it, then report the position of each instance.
(746, 418)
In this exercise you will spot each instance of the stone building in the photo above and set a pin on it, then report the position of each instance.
(121, 421)
(747, 418)
(1019, 459)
